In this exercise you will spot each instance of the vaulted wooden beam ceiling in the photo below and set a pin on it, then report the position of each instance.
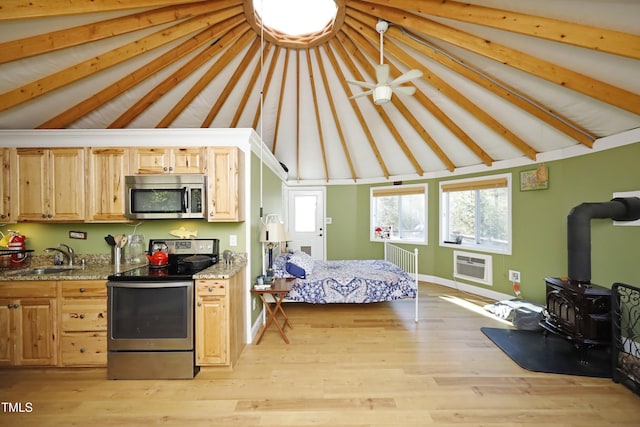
(209, 64)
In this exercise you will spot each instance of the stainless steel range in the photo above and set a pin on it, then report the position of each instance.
(150, 312)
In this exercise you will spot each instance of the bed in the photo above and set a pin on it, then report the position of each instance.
(351, 281)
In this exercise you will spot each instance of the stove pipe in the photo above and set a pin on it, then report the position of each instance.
(579, 231)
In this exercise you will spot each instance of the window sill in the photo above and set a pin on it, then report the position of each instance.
(475, 248)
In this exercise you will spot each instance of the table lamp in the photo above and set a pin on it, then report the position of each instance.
(272, 233)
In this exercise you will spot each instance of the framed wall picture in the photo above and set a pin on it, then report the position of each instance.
(534, 179)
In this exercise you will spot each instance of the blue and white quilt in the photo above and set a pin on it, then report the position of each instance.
(349, 281)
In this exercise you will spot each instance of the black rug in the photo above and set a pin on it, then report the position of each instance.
(536, 352)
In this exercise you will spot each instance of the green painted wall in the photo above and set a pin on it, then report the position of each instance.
(539, 224)
(271, 204)
(40, 236)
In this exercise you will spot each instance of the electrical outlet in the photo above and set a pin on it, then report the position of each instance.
(514, 276)
(233, 240)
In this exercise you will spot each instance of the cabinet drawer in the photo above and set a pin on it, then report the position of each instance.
(86, 314)
(84, 349)
(211, 287)
(84, 288)
(28, 289)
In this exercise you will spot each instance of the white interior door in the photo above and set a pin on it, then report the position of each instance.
(305, 222)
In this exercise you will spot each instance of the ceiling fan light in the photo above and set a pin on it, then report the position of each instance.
(381, 94)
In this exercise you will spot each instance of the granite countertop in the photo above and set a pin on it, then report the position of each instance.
(222, 270)
(98, 269)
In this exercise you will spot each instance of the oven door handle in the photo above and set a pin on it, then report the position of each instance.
(147, 284)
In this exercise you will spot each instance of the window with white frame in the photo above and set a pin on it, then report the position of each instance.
(476, 213)
(399, 213)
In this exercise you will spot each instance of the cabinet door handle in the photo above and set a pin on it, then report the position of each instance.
(82, 289)
(210, 289)
(82, 316)
(82, 350)
(16, 305)
(9, 306)
(199, 304)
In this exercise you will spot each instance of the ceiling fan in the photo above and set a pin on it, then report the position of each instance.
(383, 89)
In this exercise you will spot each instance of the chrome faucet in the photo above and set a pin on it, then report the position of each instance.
(68, 254)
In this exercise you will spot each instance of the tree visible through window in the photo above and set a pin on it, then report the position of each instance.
(399, 213)
(477, 213)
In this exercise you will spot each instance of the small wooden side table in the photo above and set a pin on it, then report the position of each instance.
(279, 289)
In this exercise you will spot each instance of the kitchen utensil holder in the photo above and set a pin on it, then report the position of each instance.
(116, 255)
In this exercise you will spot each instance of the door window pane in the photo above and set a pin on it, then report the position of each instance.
(305, 214)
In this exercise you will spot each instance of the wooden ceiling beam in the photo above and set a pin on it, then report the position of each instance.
(55, 40)
(112, 91)
(29, 9)
(317, 113)
(497, 87)
(346, 58)
(215, 68)
(442, 86)
(171, 81)
(280, 98)
(334, 112)
(103, 61)
(231, 84)
(249, 89)
(266, 84)
(600, 39)
(546, 70)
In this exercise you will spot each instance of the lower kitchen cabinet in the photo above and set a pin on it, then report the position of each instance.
(83, 323)
(28, 319)
(220, 335)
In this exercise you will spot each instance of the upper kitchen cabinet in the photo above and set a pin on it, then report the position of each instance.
(225, 193)
(106, 169)
(51, 184)
(159, 160)
(8, 164)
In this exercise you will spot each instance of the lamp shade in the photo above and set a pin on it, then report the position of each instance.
(273, 232)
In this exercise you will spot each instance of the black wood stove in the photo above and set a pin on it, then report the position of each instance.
(577, 309)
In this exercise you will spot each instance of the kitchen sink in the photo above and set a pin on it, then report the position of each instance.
(44, 270)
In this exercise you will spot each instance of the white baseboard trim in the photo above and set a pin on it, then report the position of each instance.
(476, 290)
(256, 327)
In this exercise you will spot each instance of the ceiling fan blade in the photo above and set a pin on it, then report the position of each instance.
(363, 84)
(361, 94)
(409, 75)
(382, 73)
(405, 90)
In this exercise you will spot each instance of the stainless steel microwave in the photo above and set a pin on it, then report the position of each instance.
(165, 196)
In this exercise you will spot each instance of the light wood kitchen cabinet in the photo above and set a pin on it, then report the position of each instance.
(106, 169)
(7, 161)
(220, 335)
(83, 323)
(28, 323)
(50, 184)
(225, 193)
(159, 160)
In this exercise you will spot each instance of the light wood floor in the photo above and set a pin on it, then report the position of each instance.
(362, 365)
